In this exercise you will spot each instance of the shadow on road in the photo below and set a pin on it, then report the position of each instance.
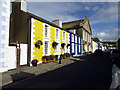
(95, 72)
(20, 76)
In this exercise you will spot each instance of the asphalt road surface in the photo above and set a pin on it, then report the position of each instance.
(87, 72)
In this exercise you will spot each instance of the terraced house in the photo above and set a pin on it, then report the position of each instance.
(27, 30)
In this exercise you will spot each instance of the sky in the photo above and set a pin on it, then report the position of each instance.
(103, 16)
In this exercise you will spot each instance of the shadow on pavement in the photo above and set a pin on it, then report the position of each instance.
(20, 76)
(95, 73)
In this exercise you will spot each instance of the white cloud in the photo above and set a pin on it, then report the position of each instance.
(73, 0)
(95, 8)
(53, 11)
(106, 14)
(87, 8)
(110, 34)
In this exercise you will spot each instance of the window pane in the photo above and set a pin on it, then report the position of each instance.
(3, 27)
(3, 18)
(3, 36)
(3, 9)
(4, 1)
(57, 33)
(46, 31)
(3, 46)
(63, 35)
(46, 47)
(2, 55)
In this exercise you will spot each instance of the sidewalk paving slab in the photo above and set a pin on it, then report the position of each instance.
(26, 72)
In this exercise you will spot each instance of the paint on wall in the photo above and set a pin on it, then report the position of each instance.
(61, 41)
(52, 37)
(37, 34)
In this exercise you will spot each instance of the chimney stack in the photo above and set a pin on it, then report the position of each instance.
(58, 22)
(22, 5)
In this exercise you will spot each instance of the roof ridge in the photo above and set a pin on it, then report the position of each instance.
(73, 21)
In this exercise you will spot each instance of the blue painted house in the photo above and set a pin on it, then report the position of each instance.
(76, 45)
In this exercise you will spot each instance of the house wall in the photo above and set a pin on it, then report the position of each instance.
(95, 46)
(4, 29)
(11, 56)
(38, 33)
(18, 24)
(76, 45)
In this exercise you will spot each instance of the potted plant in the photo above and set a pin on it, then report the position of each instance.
(34, 62)
(54, 44)
(68, 45)
(52, 58)
(64, 56)
(56, 57)
(48, 58)
(61, 55)
(44, 59)
(38, 43)
(67, 55)
(62, 45)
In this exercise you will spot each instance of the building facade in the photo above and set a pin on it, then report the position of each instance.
(76, 45)
(31, 28)
(82, 29)
(94, 46)
(4, 33)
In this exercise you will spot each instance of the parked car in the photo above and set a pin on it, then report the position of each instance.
(98, 52)
(115, 54)
(115, 84)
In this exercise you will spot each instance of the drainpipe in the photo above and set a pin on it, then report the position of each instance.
(18, 50)
(29, 43)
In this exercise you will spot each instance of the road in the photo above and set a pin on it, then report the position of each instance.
(87, 72)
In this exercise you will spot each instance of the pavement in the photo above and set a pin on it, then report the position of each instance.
(25, 72)
(80, 72)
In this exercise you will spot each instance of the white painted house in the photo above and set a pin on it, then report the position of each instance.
(94, 46)
(8, 53)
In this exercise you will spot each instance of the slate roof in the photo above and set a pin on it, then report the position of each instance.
(96, 39)
(72, 24)
(45, 21)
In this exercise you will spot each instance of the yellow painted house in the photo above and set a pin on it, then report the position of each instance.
(39, 35)
(47, 34)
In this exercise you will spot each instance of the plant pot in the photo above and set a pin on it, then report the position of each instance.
(53, 60)
(43, 60)
(64, 57)
(34, 64)
(56, 58)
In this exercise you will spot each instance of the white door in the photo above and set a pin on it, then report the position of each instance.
(11, 57)
(23, 55)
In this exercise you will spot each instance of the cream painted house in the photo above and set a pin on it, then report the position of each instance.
(81, 28)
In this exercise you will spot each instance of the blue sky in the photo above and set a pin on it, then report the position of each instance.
(103, 16)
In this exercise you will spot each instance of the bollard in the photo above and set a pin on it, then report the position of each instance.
(60, 60)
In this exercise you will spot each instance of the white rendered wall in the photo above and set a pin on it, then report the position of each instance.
(5, 12)
(23, 54)
(94, 46)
